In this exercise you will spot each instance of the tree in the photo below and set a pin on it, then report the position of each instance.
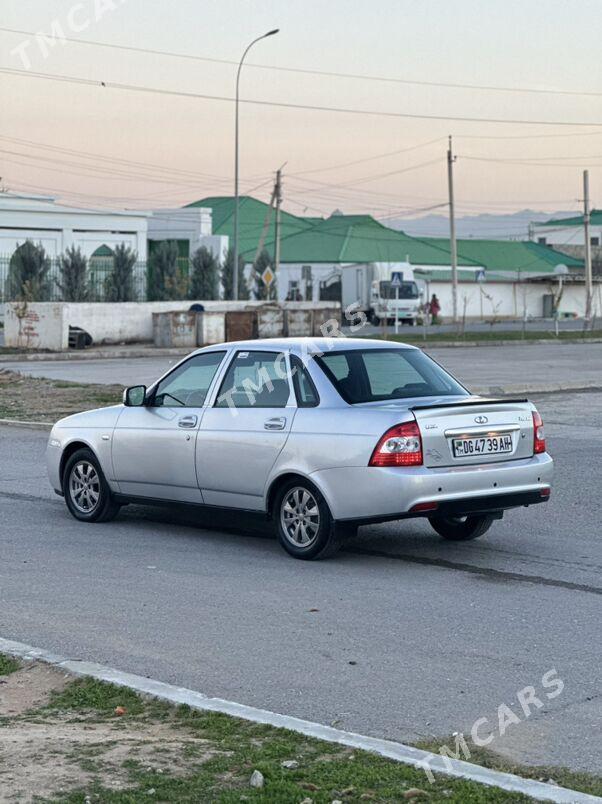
(166, 281)
(73, 282)
(261, 291)
(119, 284)
(228, 277)
(28, 274)
(204, 275)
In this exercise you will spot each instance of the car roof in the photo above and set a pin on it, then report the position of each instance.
(305, 345)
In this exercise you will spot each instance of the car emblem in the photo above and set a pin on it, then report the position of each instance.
(481, 419)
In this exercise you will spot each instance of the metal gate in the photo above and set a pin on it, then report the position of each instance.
(241, 325)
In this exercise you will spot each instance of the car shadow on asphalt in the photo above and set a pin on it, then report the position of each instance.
(411, 546)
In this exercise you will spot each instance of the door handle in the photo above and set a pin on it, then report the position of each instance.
(277, 423)
(187, 422)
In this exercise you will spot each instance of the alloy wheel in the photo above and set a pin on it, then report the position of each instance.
(300, 517)
(84, 487)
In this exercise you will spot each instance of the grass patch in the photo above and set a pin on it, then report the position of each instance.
(8, 665)
(209, 756)
(43, 400)
(575, 780)
(415, 336)
(90, 694)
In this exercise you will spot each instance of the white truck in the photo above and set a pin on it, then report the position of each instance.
(382, 291)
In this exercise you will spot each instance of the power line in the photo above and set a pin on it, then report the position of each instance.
(368, 158)
(526, 136)
(119, 161)
(285, 105)
(91, 198)
(321, 73)
(527, 162)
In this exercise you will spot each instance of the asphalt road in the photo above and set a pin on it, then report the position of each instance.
(413, 637)
(486, 368)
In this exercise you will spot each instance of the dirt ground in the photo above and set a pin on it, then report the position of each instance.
(40, 400)
(72, 740)
(46, 754)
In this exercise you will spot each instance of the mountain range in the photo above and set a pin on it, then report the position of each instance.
(513, 226)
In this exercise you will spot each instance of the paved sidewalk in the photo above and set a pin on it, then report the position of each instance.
(488, 369)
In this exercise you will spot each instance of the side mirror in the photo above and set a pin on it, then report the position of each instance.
(135, 396)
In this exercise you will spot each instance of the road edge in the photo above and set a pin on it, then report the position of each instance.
(27, 425)
(398, 752)
(176, 351)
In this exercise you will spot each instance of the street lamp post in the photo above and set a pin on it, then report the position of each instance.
(236, 197)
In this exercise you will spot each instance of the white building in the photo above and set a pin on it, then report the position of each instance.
(192, 227)
(568, 234)
(57, 227)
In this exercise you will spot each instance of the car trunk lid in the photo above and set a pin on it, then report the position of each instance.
(475, 431)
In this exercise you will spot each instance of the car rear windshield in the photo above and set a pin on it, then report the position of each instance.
(375, 375)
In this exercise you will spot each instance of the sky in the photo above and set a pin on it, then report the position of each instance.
(97, 145)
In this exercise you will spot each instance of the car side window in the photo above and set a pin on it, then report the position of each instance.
(255, 380)
(305, 390)
(187, 386)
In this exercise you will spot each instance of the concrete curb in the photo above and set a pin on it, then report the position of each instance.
(535, 388)
(27, 425)
(151, 351)
(386, 748)
(505, 342)
(100, 354)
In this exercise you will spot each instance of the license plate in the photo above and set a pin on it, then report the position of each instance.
(481, 445)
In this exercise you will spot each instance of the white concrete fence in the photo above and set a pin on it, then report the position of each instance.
(45, 325)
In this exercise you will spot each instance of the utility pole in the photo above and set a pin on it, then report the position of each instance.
(588, 251)
(452, 231)
(278, 194)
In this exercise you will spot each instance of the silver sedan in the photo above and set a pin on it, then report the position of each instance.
(317, 435)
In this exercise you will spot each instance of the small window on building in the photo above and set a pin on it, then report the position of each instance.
(594, 241)
(542, 241)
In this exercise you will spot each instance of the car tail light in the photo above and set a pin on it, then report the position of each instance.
(539, 438)
(399, 446)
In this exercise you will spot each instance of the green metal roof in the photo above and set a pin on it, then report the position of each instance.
(358, 239)
(463, 275)
(595, 215)
(252, 215)
(511, 255)
(362, 239)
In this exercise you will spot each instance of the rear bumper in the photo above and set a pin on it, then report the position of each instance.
(371, 494)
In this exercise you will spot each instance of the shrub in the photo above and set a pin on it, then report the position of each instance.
(204, 275)
(119, 284)
(228, 277)
(28, 274)
(166, 281)
(73, 282)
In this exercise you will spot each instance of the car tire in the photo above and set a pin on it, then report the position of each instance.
(87, 493)
(461, 529)
(304, 523)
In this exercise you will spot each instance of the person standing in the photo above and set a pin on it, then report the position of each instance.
(434, 309)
